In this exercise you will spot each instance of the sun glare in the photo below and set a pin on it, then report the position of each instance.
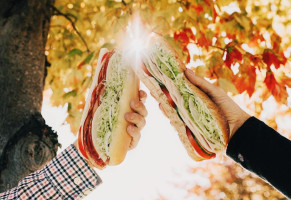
(135, 40)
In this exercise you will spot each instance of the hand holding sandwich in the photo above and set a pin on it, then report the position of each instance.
(112, 117)
(233, 113)
(135, 118)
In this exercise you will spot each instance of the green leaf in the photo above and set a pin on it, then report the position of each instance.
(72, 93)
(69, 106)
(88, 58)
(74, 52)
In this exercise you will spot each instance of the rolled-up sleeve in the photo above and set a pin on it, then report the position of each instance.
(67, 176)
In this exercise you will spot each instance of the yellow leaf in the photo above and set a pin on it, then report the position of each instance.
(227, 86)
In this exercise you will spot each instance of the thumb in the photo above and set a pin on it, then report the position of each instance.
(204, 85)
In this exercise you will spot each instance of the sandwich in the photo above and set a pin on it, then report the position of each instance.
(200, 124)
(103, 139)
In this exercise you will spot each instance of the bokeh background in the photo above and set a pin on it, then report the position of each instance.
(241, 46)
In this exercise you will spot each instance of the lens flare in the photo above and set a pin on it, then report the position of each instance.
(135, 40)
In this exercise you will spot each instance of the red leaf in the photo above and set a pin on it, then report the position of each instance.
(214, 14)
(270, 80)
(188, 58)
(278, 90)
(246, 81)
(199, 8)
(230, 36)
(270, 58)
(189, 33)
(181, 37)
(207, 2)
(186, 51)
(255, 60)
(232, 54)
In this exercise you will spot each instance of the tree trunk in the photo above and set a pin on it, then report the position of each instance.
(26, 143)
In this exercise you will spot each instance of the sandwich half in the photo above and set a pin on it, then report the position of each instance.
(199, 122)
(103, 139)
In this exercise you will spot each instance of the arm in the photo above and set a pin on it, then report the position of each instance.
(262, 150)
(69, 176)
(252, 144)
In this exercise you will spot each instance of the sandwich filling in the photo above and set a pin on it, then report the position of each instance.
(106, 115)
(88, 149)
(162, 64)
(102, 115)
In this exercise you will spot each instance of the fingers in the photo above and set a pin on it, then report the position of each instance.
(134, 132)
(142, 96)
(138, 107)
(136, 119)
(204, 85)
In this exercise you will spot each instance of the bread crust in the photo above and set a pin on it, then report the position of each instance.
(120, 139)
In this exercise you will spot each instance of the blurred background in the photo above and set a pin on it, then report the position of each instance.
(241, 46)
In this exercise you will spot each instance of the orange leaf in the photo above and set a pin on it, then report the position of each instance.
(246, 80)
(203, 41)
(276, 42)
(285, 80)
(278, 90)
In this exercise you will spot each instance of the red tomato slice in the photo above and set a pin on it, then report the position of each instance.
(80, 145)
(197, 147)
(146, 70)
(170, 100)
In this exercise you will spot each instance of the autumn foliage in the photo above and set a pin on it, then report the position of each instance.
(242, 46)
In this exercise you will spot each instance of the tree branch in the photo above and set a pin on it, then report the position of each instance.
(222, 49)
(68, 17)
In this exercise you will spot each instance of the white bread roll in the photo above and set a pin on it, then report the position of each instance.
(120, 140)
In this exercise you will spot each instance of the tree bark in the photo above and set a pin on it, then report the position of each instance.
(26, 143)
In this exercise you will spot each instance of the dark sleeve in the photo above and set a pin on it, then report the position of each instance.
(262, 150)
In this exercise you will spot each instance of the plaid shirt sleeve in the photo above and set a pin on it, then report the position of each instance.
(67, 176)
